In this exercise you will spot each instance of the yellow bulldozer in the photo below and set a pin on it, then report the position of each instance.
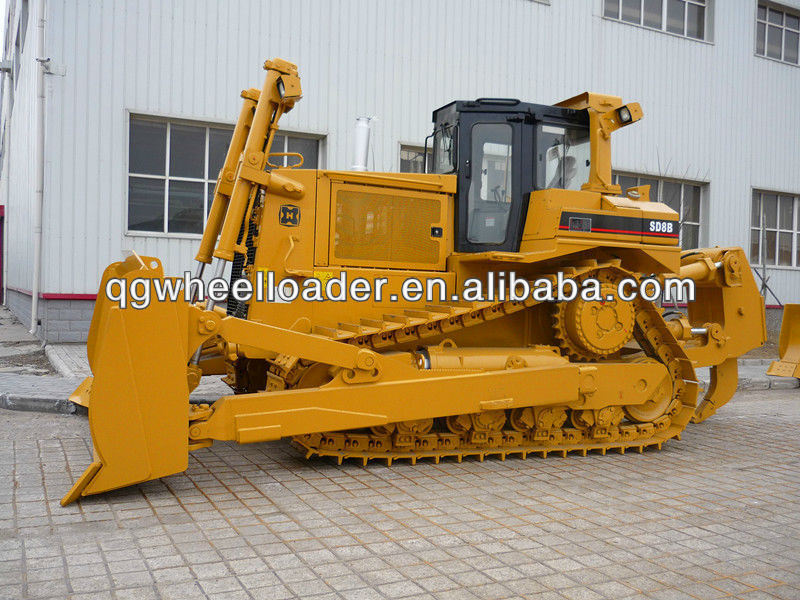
(513, 191)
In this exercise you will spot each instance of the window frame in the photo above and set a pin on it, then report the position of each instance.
(708, 26)
(684, 183)
(778, 229)
(795, 12)
(209, 179)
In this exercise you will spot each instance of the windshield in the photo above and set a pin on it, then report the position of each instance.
(562, 155)
(444, 149)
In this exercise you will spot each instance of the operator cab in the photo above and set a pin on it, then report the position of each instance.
(502, 150)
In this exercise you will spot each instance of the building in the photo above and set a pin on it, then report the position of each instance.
(139, 98)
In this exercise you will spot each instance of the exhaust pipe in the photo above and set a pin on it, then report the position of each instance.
(362, 143)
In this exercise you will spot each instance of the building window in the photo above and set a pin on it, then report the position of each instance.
(308, 147)
(689, 18)
(681, 196)
(775, 229)
(22, 30)
(173, 167)
(17, 60)
(412, 159)
(777, 33)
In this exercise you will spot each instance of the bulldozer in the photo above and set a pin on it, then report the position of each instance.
(511, 188)
(788, 344)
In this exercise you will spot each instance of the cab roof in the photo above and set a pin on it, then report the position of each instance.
(511, 105)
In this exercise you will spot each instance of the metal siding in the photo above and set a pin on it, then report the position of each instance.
(713, 111)
(21, 156)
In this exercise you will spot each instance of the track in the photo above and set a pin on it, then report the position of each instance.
(556, 430)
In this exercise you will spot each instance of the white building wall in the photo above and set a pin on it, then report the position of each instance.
(714, 112)
(19, 168)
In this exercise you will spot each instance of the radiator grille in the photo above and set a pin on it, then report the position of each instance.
(383, 227)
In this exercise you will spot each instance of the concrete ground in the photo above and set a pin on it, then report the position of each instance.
(716, 515)
(20, 351)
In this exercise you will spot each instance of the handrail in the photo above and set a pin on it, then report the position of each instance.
(296, 166)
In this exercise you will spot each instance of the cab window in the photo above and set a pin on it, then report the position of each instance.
(444, 149)
(563, 157)
(489, 198)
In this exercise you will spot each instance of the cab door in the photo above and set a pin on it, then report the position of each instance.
(492, 187)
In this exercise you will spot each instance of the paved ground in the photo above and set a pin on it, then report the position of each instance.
(20, 351)
(715, 515)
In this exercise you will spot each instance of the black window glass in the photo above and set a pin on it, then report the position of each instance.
(147, 147)
(145, 204)
(218, 140)
(187, 151)
(186, 207)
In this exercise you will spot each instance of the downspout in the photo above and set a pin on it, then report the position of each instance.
(39, 197)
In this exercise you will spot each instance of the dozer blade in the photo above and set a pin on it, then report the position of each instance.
(138, 396)
(788, 344)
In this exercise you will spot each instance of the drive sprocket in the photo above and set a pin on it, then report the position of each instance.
(589, 330)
